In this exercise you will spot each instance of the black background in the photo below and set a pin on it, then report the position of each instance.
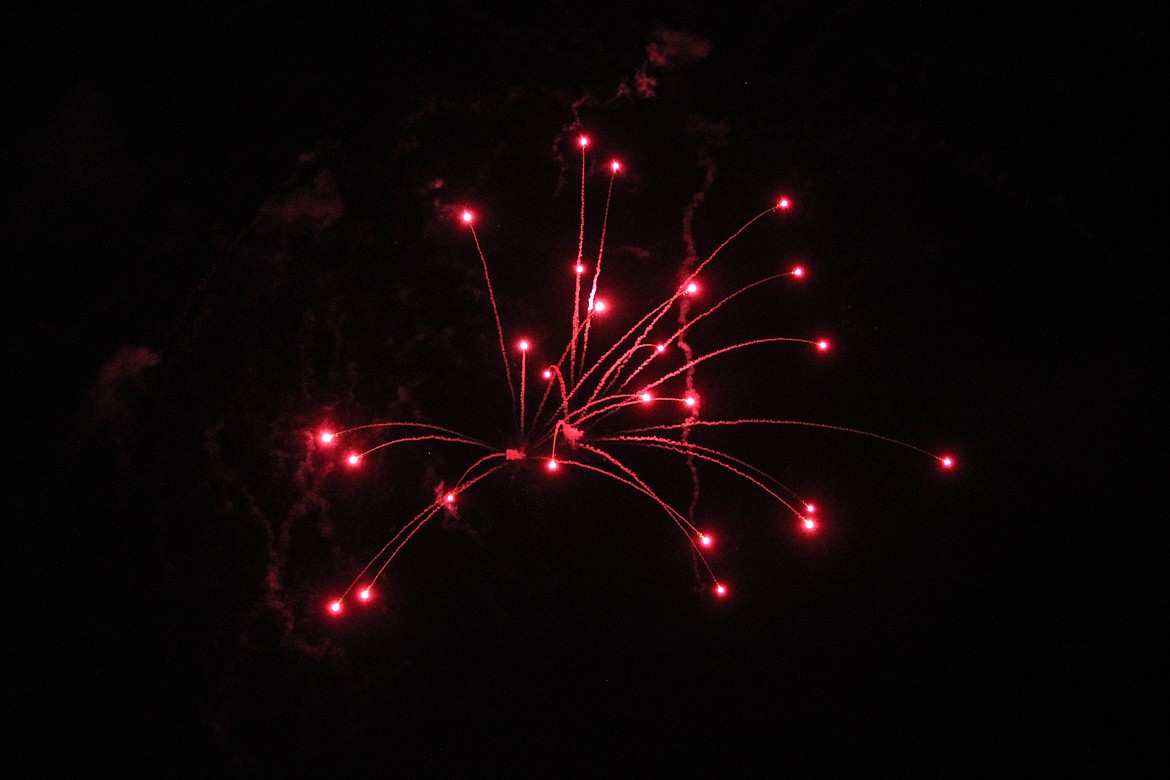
(224, 227)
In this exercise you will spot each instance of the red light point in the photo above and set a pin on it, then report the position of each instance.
(784, 204)
(523, 345)
(583, 141)
(354, 459)
(706, 540)
(547, 373)
(615, 166)
(364, 595)
(810, 508)
(660, 348)
(468, 216)
(580, 269)
(808, 524)
(720, 589)
(646, 398)
(599, 306)
(335, 606)
(449, 498)
(798, 271)
(691, 400)
(692, 288)
(947, 462)
(823, 345)
(552, 464)
(327, 437)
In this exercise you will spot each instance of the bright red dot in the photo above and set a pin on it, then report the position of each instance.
(523, 345)
(449, 498)
(808, 524)
(823, 345)
(692, 288)
(547, 373)
(583, 141)
(615, 166)
(661, 348)
(947, 462)
(468, 216)
(552, 464)
(579, 268)
(720, 589)
(798, 271)
(646, 398)
(706, 540)
(784, 204)
(691, 400)
(599, 306)
(353, 459)
(810, 508)
(364, 595)
(327, 437)
(335, 606)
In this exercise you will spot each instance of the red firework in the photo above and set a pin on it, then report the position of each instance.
(580, 393)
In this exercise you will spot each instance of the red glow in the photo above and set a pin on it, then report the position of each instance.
(706, 540)
(646, 398)
(468, 216)
(720, 589)
(810, 508)
(615, 166)
(692, 288)
(364, 595)
(808, 524)
(450, 498)
(583, 141)
(547, 373)
(327, 437)
(947, 462)
(580, 268)
(661, 348)
(335, 606)
(784, 204)
(552, 464)
(523, 345)
(823, 345)
(798, 271)
(691, 400)
(599, 306)
(353, 459)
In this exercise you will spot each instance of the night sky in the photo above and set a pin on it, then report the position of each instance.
(226, 227)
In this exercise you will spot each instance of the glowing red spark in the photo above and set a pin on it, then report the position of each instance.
(691, 400)
(660, 348)
(599, 306)
(547, 373)
(364, 595)
(797, 271)
(335, 607)
(580, 268)
(823, 345)
(326, 437)
(583, 141)
(947, 462)
(552, 464)
(692, 288)
(720, 590)
(706, 540)
(808, 524)
(353, 459)
(615, 166)
(450, 498)
(468, 216)
(784, 204)
(523, 345)
(810, 508)
(646, 398)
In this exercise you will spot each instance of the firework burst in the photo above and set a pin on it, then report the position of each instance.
(575, 411)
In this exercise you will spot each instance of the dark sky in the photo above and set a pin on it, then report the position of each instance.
(223, 227)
